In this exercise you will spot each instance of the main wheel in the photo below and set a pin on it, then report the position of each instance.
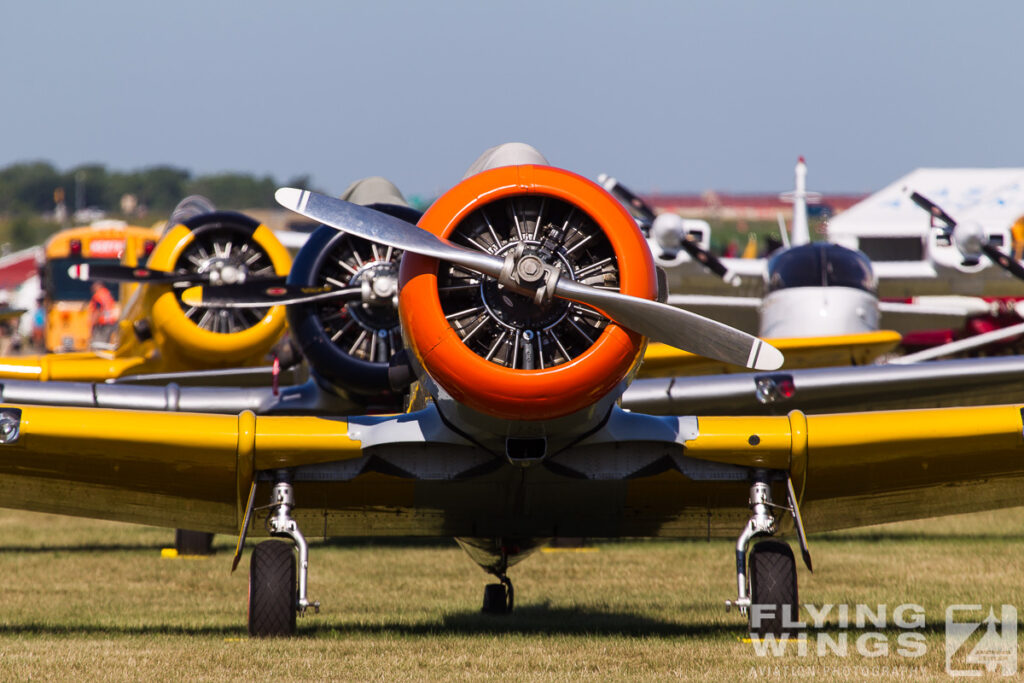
(273, 597)
(772, 571)
(193, 542)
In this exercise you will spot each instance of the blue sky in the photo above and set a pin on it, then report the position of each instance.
(667, 96)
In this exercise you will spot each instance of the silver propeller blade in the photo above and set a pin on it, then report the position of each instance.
(676, 327)
(384, 229)
(660, 322)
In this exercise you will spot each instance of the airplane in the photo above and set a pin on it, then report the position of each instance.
(512, 433)
(810, 289)
(157, 335)
(346, 379)
(225, 347)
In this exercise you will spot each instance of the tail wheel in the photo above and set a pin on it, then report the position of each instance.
(188, 542)
(272, 590)
(497, 599)
(510, 329)
(772, 570)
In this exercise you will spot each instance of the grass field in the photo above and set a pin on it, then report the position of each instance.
(89, 600)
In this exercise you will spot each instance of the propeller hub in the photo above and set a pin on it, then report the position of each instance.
(385, 287)
(228, 274)
(968, 238)
(530, 269)
(378, 281)
(509, 301)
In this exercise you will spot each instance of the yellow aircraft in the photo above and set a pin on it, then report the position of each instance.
(526, 299)
(157, 333)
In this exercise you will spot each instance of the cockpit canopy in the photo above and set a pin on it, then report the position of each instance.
(821, 265)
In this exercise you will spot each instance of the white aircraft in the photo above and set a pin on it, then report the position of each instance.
(806, 289)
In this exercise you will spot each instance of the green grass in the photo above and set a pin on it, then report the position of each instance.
(89, 600)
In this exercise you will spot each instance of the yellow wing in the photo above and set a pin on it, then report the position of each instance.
(854, 469)
(411, 475)
(165, 469)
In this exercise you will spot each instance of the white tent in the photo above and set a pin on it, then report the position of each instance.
(992, 197)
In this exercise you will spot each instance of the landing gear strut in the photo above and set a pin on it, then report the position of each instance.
(274, 598)
(772, 602)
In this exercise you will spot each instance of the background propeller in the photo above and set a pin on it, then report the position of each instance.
(527, 274)
(1001, 259)
(260, 293)
(112, 272)
(645, 218)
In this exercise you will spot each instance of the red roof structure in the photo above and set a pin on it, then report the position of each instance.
(20, 266)
(723, 205)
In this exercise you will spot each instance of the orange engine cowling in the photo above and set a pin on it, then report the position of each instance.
(498, 352)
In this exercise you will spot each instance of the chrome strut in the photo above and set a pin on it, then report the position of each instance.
(281, 524)
(761, 523)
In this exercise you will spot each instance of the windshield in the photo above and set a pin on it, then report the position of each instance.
(60, 286)
(821, 265)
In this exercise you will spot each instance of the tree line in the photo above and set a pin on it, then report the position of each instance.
(37, 187)
(37, 199)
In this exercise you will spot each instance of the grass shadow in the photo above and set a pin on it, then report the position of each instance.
(542, 619)
(89, 548)
(914, 536)
(42, 629)
(532, 620)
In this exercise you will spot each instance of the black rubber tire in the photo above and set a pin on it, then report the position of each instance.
(772, 572)
(495, 599)
(273, 596)
(188, 542)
